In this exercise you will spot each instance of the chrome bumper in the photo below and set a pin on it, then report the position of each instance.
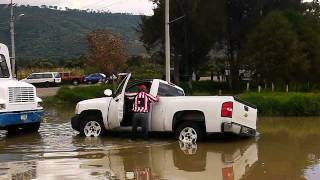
(238, 129)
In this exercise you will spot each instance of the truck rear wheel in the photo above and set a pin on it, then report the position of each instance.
(190, 132)
(92, 125)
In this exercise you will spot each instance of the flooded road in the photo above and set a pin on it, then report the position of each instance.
(288, 148)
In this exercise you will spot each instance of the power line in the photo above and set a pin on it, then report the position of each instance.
(4, 28)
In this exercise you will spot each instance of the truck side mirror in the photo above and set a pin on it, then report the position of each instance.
(108, 92)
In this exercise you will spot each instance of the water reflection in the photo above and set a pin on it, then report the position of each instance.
(287, 149)
(138, 160)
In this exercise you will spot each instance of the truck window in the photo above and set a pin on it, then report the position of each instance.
(167, 90)
(135, 87)
(4, 71)
(46, 75)
(57, 75)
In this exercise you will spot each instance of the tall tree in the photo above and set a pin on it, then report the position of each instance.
(192, 37)
(242, 16)
(106, 52)
(274, 49)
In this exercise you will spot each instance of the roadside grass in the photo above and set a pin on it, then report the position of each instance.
(284, 104)
(73, 95)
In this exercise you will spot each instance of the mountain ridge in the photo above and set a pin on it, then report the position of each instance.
(44, 33)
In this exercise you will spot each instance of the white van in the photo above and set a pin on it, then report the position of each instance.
(20, 107)
(46, 78)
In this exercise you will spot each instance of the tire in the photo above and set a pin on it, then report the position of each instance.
(92, 125)
(190, 132)
(46, 84)
(28, 128)
(13, 130)
(75, 82)
(31, 128)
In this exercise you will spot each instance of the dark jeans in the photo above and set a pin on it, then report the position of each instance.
(142, 120)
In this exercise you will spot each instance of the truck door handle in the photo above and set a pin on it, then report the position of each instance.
(116, 100)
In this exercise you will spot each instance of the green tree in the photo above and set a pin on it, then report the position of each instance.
(192, 37)
(274, 50)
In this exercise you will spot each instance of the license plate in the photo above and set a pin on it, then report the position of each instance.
(24, 117)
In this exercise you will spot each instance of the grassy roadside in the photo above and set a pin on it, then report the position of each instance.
(268, 103)
(71, 96)
(285, 104)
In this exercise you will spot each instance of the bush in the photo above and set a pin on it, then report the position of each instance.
(285, 104)
(74, 95)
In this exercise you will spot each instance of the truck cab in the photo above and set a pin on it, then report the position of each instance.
(191, 118)
(20, 108)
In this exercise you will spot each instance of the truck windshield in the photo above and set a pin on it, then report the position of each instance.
(4, 71)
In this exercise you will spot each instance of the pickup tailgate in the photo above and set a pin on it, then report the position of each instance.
(244, 113)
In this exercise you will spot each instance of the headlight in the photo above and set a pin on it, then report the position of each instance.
(2, 106)
(39, 104)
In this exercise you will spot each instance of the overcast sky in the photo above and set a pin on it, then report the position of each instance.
(123, 6)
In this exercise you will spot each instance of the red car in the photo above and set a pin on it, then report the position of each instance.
(69, 77)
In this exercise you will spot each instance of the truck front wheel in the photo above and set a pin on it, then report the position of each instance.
(190, 132)
(30, 128)
(92, 126)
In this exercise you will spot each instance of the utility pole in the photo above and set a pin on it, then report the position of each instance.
(13, 51)
(167, 40)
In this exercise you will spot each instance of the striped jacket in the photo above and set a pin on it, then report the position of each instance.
(142, 101)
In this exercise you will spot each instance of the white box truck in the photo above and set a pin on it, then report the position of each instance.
(20, 108)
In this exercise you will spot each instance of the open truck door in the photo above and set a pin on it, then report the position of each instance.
(116, 107)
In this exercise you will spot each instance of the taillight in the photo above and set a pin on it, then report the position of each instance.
(226, 109)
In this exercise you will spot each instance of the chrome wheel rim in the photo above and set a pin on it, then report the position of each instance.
(92, 128)
(188, 135)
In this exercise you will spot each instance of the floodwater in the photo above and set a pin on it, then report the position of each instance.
(288, 148)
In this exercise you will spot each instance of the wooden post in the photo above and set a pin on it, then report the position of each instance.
(248, 86)
(272, 87)
(220, 92)
(287, 88)
(259, 89)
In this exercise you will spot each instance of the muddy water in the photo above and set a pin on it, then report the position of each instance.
(288, 148)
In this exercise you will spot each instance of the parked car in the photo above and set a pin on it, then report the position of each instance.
(95, 78)
(46, 78)
(69, 77)
(20, 108)
(190, 118)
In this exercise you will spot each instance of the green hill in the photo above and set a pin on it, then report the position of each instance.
(44, 33)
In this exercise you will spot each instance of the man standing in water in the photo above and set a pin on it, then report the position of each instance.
(141, 107)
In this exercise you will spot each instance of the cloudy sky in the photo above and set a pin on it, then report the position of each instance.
(123, 6)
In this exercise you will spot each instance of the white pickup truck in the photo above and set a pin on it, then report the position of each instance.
(190, 118)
